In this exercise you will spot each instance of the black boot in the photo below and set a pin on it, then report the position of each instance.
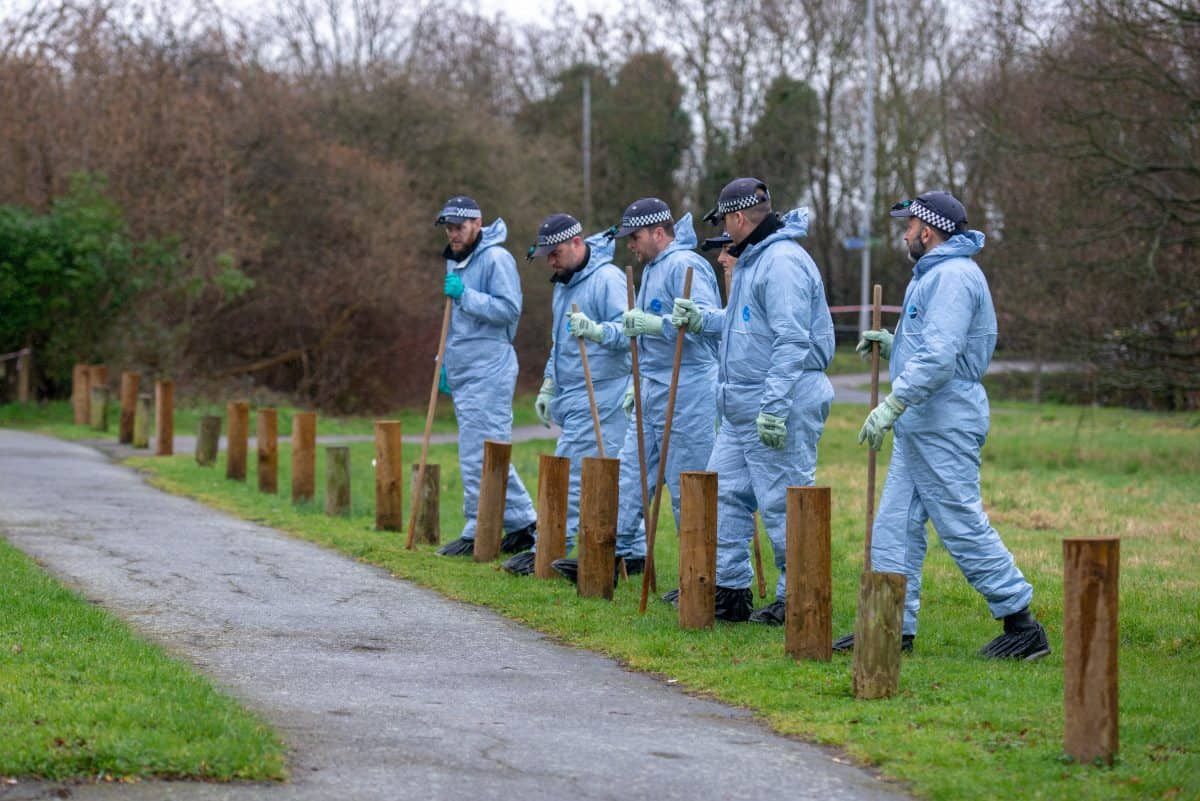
(521, 564)
(635, 565)
(773, 614)
(733, 605)
(519, 540)
(844, 645)
(459, 547)
(569, 569)
(671, 597)
(1023, 638)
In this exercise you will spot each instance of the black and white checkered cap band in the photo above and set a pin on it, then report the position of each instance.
(553, 240)
(737, 204)
(642, 220)
(455, 211)
(928, 215)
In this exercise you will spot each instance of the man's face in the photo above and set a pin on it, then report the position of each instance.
(917, 238)
(567, 256)
(647, 243)
(462, 235)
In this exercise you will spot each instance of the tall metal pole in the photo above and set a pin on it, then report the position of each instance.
(864, 316)
(587, 149)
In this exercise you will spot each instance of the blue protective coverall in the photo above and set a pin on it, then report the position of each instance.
(942, 347)
(599, 290)
(694, 424)
(481, 368)
(776, 338)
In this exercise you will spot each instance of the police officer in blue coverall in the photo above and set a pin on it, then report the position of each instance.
(939, 410)
(776, 340)
(480, 366)
(584, 275)
(665, 247)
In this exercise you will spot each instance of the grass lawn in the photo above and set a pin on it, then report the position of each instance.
(81, 696)
(962, 727)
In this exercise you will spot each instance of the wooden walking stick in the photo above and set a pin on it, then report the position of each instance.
(587, 377)
(876, 324)
(754, 541)
(637, 409)
(648, 577)
(433, 393)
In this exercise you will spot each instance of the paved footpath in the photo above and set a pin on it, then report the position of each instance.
(381, 689)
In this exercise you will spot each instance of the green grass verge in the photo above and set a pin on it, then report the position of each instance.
(962, 727)
(81, 696)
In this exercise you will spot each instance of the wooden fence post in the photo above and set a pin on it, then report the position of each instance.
(697, 550)
(268, 451)
(129, 395)
(337, 480)
(81, 390)
(1090, 573)
(554, 486)
(389, 476)
(238, 443)
(597, 527)
(99, 408)
(141, 421)
(164, 418)
(208, 440)
(25, 374)
(877, 630)
(304, 456)
(808, 625)
(427, 526)
(493, 486)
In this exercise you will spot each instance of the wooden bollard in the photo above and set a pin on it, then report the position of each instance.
(304, 456)
(268, 451)
(1090, 573)
(98, 408)
(208, 440)
(164, 418)
(697, 550)
(141, 421)
(25, 375)
(428, 528)
(808, 625)
(97, 375)
(597, 527)
(877, 630)
(238, 443)
(493, 486)
(389, 476)
(81, 376)
(554, 487)
(129, 395)
(337, 480)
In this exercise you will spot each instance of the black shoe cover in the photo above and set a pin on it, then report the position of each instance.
(521, 564)
(460, 547)
(671, 597)
(567, 568)
(773, 614)
(1023, 638)
(520, 540)
(635, 565)
(844, 645)
(733, 605)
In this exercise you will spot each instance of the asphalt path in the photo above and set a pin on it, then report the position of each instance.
(381, 689)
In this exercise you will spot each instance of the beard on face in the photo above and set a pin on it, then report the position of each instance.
(916, 248)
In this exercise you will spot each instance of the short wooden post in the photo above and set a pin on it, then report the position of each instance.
(208, 440)
(493, 486)
(97, 375)
(877, 631)
(304, 456)
(337, 480)
(389, 476)
(81, 376)
(25, 374)
(554, 487)
(268, 451)
(427, 525)
(129, 394)
(1090, 573)
(98, 408)
(597, 527)
(164, 418)
(238, 443)
(697, 550)
(141, 421)
(808, 625)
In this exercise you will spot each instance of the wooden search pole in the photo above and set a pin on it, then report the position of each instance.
(238, 413)
(652, 522)
(389, 476)
(587, 377)
(554, 485)
(433, 393)
(129, 394)
(493, 487)
(304, 456)
(1090, 573)
(641, 430)
(164, 418)
(697, 550)
(268, 451)
(808, 622)
(597, 527)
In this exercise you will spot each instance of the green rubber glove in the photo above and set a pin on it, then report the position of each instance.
(586, 327)
(636, 322)
(542, 404)
(772, 430)
(453, 287)
(444, 382)
(882, 337)
(879, 422)
(627, 404)
(686, 314)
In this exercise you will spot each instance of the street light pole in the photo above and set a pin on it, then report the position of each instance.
(864, 317)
